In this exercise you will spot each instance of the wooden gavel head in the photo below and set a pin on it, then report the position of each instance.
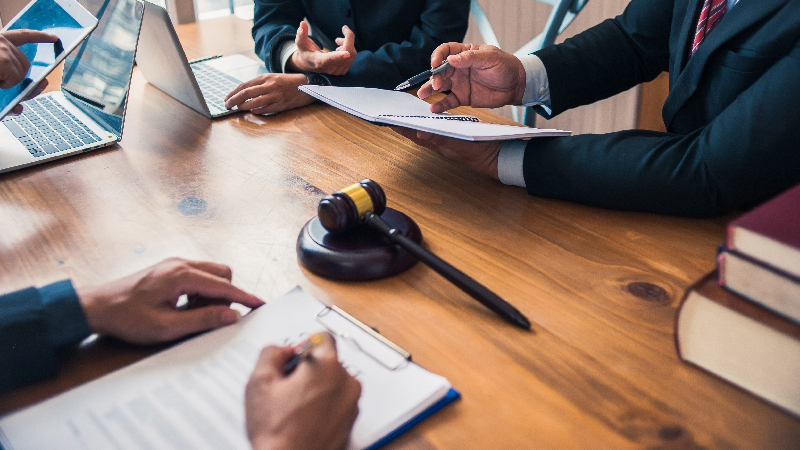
(345, 209)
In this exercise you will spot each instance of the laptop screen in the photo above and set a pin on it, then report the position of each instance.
(97, 75)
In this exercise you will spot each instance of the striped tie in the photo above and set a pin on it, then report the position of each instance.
(709, 18)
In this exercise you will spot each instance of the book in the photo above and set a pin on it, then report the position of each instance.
(770, 232)
(192, 395)
(405, 110)
(760, 283)
(740, 342)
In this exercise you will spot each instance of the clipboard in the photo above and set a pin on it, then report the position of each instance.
(196, 388)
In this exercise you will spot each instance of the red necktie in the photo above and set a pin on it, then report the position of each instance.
(709, 18)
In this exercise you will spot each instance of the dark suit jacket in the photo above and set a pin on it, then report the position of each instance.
(732, 115)
(34, 325)
(394, 39)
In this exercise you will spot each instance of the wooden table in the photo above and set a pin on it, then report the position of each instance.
(599, 370)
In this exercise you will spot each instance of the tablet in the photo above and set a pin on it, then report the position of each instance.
(66, 19)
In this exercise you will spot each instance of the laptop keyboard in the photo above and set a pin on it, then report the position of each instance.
(46, 127)
(214, 84)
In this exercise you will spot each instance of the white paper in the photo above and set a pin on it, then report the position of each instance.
(406, 110)
(191, 396)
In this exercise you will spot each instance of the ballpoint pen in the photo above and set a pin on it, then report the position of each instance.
(301, 352)
(422, 77)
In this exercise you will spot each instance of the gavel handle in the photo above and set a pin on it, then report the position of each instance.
(455, 276)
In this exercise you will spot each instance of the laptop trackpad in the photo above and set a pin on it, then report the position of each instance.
(12, 152)
(239, 66)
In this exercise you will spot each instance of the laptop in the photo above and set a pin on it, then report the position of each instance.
(89, 110)
(201, 84)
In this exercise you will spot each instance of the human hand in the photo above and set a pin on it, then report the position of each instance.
(270, 93)
(312, 408)
(482, 76)
(310, 58)
(480, 156)
(13, 63)
(141, 308)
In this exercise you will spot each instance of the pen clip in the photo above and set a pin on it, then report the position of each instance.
(370, 342)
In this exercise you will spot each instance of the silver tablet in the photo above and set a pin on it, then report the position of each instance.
(66, 19)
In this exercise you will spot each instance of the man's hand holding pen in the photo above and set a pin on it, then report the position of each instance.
(319, 398)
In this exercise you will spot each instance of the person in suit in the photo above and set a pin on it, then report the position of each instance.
(382, 43)
(731, 139)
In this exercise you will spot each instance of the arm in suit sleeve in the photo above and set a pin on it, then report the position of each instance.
(394, 62)
(745, 155)
(609, 58)
(34, 325)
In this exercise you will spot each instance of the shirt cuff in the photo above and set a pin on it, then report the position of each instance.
(537, 86)
(64, 314)
(286, 52)
(509, 162)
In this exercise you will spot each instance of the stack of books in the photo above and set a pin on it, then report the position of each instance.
(742, 321)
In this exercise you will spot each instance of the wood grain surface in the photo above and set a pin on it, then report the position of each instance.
(599, 369)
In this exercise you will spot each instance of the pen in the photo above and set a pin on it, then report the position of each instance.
(422, 77)
(205, 58)
(301, 352)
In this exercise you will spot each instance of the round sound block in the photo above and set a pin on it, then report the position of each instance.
(359, 254)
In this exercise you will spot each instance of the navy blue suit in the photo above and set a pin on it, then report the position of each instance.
(34, 325)
(394, 39)
(733, 137)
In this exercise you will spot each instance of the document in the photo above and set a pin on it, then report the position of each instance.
(191, 396)
(405, 110)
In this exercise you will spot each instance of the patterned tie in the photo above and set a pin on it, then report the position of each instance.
(709, 18)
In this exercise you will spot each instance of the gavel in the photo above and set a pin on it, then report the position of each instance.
(364, 202)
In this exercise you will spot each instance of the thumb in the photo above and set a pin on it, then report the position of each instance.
(192, 321)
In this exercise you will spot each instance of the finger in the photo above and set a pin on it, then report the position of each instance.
(248, 84)
(21, 37)
(197, 282)
(449, 102)
(219, 270)
(17, 110)
(191, 321)
(349, 37)
(441, 52)
(426, 90)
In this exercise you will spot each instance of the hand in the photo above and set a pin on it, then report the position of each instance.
(141, 308)
(480, 156)
(270, 93)
(312, 408)
(310, 58)
(13, 63)
(482, 76)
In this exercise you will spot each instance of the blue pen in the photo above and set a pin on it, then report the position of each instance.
(422, 77)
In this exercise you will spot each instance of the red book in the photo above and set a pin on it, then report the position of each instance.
(770, 232)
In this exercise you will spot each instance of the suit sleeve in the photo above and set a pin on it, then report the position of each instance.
(610, 57)
(34, 325)
(440, 21)
(275, 24)
(745, 155)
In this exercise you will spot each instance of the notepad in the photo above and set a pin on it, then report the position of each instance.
(405, 110)
(192, 395)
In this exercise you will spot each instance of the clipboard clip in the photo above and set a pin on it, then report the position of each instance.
(369, 341)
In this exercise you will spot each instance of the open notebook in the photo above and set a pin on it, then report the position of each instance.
(405, 110)
(192, 395)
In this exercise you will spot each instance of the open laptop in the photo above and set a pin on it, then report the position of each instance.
(201, 85)
(89, 111)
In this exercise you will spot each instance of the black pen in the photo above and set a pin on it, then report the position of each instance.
(302, 352)
(422, 77)
(205, 59)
